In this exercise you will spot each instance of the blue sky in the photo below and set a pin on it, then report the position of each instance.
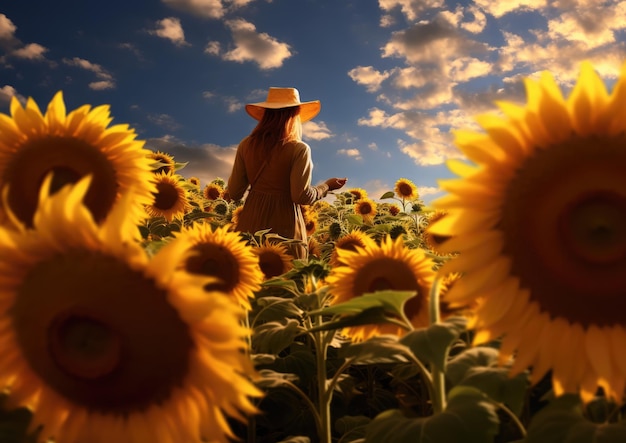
(394, 76)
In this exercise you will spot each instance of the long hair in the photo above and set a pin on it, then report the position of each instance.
(276, 127)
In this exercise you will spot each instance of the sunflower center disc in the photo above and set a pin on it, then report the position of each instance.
(100, 333)
(83, 346)
(166, 196)
(594, 229)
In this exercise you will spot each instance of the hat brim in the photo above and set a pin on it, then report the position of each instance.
(308, 110)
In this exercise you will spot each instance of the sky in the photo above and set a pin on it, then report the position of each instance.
(395, 77)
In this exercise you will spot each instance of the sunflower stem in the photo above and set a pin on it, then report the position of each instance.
(438, 375)
(323, 399)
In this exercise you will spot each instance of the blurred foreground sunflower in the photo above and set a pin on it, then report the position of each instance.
(540, 225)
(224, 255)
(106, 345)
(170, 200)
(388, 266)
(274, 259)
(434, 241)
(70, 146)
(405, 189)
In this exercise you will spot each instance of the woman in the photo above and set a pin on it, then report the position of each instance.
(276, 164)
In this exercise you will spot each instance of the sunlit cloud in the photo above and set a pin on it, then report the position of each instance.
(7, 28)
(202, 8)
(170, 28)
(428, 190)
(368, 77)
(6, 94)
(314, 130)
(212, 48)
(351, 152)
(260, 48)
(498, 8)
(32, 51)
(410, 8)
(105, 79)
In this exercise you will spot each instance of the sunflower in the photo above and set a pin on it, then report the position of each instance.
(351, 242)
(170, 201)
(366, 208)
(223, 254)
(234, 215)
(70, 146)
(314, 248)
(434, 241)
(405, 189)
(388, 266)
(213, 191)
(394, 210)
(194, 181)
(104, 344)
(162, 162)
(540, 226)
(358, 193)
(274, 259)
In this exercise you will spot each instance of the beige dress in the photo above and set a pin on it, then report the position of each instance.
(281, 186)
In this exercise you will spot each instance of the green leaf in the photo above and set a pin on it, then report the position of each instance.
(562, 421)
(296, 439)
(497, 384)
(368, 317)
(431, 344)
(272, 379)
(460, 364)
(273, 337)
(468, 418)
(477, 367)
(385, 348)
(388, 194)
(351, 427)
(275, 309)
(390, 301)
(354, 219)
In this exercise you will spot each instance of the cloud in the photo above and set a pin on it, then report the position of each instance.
(499, 8)
(428, 190)
(352, 152)
(170, 29)
(105, 79)
(316, 131)
(165, 121)
(212, 9)
(260, 48)
(212, 48)
(206, 161)
(31, 51)
(6, 94)
(7, 28)
(102, 85)
(429, 152)
(410, 8)
(369, 77)
(202, 8)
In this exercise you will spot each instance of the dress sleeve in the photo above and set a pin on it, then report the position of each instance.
(238, 180)
(300, 180)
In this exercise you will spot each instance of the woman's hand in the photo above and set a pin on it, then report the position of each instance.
(335, 183)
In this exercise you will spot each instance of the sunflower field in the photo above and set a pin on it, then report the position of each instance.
(133, 311)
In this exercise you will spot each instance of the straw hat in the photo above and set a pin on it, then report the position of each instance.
(284, 98)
